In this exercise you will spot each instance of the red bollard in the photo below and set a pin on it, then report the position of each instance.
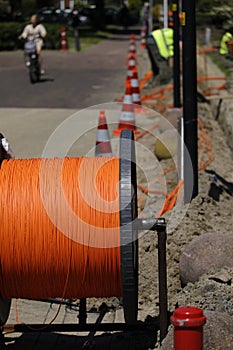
(188, 325)
(63, 39)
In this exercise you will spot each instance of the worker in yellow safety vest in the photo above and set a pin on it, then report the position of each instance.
(223, 46)
(160, 48)
(164, 40)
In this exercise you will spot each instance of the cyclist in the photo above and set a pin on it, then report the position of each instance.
(36, 31)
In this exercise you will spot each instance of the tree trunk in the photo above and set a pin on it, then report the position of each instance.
(14, 6)
(99, 20)
(46, 3)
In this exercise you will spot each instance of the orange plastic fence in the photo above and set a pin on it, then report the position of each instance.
(206, 156)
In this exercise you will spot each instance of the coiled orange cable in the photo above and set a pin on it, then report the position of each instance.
(37, 259)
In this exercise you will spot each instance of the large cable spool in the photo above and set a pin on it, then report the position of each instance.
(39, 260)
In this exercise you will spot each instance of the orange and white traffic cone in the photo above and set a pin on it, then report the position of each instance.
(135, 91)
(131, 61)
(103, 145)
(131, 54)
(132, 36)
(132, 47)
(127, 118)
(129, 74)
(143, 37)
(63, 39)
(131, 66)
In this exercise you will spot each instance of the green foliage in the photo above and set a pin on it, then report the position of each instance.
(222, 16)
(4, 5)
(218, 13)
(156, 13)
(53, 38)
(28, 7)
(135, 5)
(9, 33)
(204, 4)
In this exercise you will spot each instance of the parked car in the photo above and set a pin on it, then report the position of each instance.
(9, 17)
(55, 15)
(130, 17)
(86, 15)
(111, 14)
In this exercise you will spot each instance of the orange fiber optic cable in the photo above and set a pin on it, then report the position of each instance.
(38, 260)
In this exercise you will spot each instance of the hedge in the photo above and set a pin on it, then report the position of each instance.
(9, 32)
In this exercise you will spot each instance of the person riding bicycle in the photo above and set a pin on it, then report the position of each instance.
(36, 31)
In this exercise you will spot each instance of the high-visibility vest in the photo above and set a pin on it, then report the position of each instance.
(164, 40)
(223, 47)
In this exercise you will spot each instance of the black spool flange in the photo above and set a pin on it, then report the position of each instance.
(5, 304)
(128, 233)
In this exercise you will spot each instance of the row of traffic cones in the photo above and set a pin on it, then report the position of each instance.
(131, 104)
(144, 30)
(132, 101)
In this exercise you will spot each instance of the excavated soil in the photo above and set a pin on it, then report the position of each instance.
(209, 211)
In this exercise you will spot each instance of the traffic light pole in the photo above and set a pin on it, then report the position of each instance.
(176, 62)
(190, 100)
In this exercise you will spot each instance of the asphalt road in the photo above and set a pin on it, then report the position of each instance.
(72, 80)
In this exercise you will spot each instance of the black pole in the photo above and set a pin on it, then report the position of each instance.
(176, 62)
(162, 265)
(180, 127)
(82, 311)
(190, 100)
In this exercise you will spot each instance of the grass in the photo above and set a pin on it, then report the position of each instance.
(221, 62)
(87, 38)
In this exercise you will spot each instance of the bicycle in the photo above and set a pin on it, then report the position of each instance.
(31, 60)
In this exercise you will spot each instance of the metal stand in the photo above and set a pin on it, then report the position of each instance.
(83, 311)
(159, 225)
(163, 309)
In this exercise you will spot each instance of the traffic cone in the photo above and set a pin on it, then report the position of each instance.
(131, 66)
(103, 145)
(132, 47)
(127, 118)
(63, 39)
(135, 91)
(131, 54)
(129, 74)
(132, 36)
(143, 37)
(131, 63)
